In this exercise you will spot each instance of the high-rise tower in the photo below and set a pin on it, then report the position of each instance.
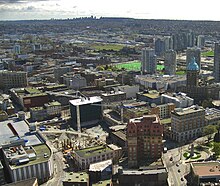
(170, 62)
(192, 76)
(193, 52)
(149, 61)
(217, 62)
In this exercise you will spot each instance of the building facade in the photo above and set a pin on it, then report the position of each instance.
(84, 157)
(217, 62)
(12, 79)
(170, 62)
(144, 138)
(187, 123)
(149, 61)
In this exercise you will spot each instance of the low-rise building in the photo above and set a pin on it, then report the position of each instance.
(85, 157)
(129, 90)
(179, 99)
(74, 81)
(164, 82)
(76, 178)
(100, 171)
(113, 96)
(150, 96)
(29, 97)
(26, 155)
(212, 116)
(187, 123)
(204, 172)
(150, 177)
(2, 176)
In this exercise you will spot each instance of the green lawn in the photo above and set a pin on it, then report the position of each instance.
(135, 65)
(208, 53)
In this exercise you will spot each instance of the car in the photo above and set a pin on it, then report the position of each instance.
(182, 179)
(171, 158)
(179, 170)
(177, 164)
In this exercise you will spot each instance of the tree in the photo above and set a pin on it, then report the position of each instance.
(208, 131)
(216, 148)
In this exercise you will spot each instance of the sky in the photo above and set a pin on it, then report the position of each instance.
(143, 9)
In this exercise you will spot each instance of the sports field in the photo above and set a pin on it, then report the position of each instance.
(134, 65)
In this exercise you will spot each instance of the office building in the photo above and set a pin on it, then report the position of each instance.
(217, 62)
(193, 52)
(149, 61)
(170, 62)
(85, 111)
(187, 123)
(144, 138)
(12, 79)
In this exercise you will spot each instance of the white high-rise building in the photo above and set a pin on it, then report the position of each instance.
(170, 62)
(149, 61)
(200, 41)
(217, 62)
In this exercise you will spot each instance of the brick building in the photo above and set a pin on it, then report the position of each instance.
(144, 138)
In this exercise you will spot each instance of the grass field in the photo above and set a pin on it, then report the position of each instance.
(208, 53)
(115, 47)
(135, 65)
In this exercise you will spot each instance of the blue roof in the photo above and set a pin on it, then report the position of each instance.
(193, 65)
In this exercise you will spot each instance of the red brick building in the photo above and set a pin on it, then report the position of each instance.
(144, 138)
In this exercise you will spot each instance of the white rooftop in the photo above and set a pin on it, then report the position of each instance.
(85, 101)
(100, 166)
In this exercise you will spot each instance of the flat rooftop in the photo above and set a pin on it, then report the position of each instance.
(40, 150)
(22, 128)
(78, 177)
(100, 166)
(83, 101)
(145, 172)
(93, 151)
(206, 168)
(189, 110)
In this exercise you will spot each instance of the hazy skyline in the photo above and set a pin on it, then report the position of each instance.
(157, 9)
